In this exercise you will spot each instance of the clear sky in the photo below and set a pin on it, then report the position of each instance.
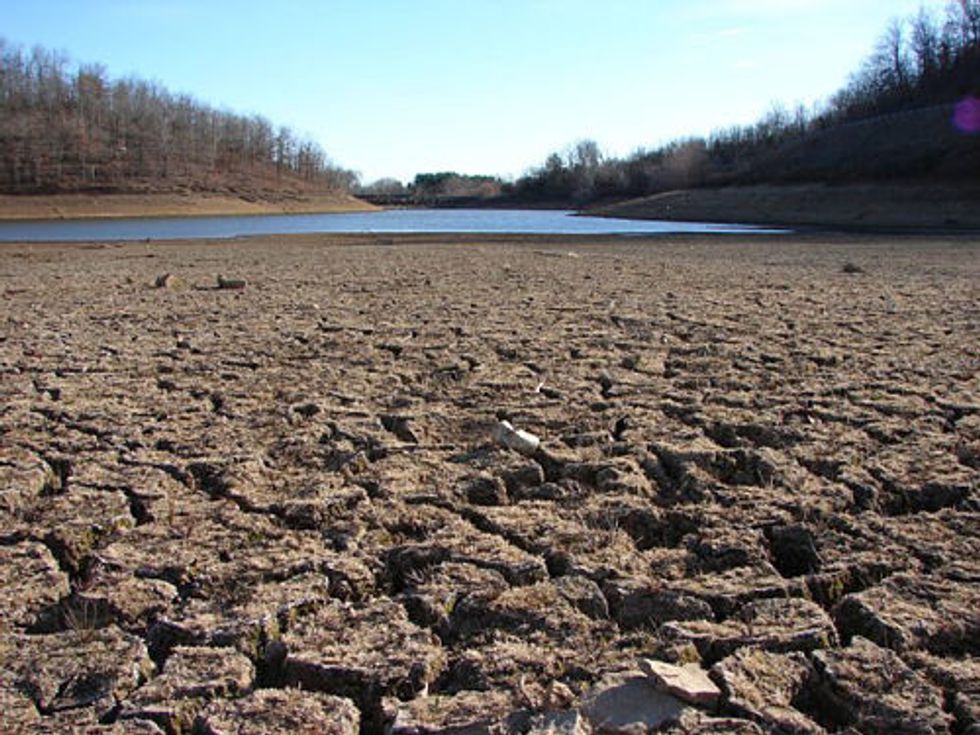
(395, 87)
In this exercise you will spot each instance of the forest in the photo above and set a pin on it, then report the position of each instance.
(892, 120)
(65, 128)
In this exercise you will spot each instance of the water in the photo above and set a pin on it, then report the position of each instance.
(518, 221)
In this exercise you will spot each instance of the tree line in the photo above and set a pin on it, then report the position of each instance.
(919, 67)
(69, 128)
(427, 188)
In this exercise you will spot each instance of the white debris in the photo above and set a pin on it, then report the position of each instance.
(521, 441)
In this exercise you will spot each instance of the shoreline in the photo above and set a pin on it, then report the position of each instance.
(81, 206)
(876, 208)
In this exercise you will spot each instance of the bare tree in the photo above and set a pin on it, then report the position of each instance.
(64, 129)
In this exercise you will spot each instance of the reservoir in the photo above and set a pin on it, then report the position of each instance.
(490, 221)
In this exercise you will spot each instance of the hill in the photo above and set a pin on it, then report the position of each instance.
(850, 206)
(909, 114)
(68, 130)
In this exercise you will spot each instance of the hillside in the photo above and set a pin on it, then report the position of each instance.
(187, 204)
(853, 206)
(74, 131)
(909, 113)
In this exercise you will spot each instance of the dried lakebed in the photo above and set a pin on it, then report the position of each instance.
(279, 505)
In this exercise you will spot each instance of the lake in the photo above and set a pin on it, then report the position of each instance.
(517, 221)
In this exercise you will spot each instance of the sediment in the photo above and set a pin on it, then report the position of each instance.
(286, 506)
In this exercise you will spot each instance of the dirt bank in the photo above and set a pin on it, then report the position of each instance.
(84, 206)
(282, 501)
(857, 206)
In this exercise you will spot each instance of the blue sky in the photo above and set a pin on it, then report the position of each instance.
(392, 88)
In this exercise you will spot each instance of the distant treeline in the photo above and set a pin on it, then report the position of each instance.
(65, 128)
(892, 120)
(432, 187)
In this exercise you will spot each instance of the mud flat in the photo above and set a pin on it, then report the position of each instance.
(280, 502)
(110, 206)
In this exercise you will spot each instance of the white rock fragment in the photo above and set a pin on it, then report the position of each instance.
(521, 441)
(689, 683)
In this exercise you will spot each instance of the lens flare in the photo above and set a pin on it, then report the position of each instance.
(966, 116)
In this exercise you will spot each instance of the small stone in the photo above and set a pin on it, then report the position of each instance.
(689, 683)
(166, 280)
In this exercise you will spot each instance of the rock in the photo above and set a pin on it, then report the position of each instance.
(908, 612)
(762, 687)
(778, 625)
(235, 284)
(279, 712)
(872, 690)
(629, 702)
(191, 677)
(689, 683)
(521, 441)
(166, 280)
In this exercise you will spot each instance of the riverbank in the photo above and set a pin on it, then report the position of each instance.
(111, 206)
(865, 206)
(254, 480)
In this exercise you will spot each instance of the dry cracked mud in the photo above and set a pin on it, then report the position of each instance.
(280, 507)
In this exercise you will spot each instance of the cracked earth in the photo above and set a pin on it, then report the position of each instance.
(278, 506)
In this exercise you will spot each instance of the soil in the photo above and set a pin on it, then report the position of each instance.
(163, 204)
(284, 496)
(918, 206)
